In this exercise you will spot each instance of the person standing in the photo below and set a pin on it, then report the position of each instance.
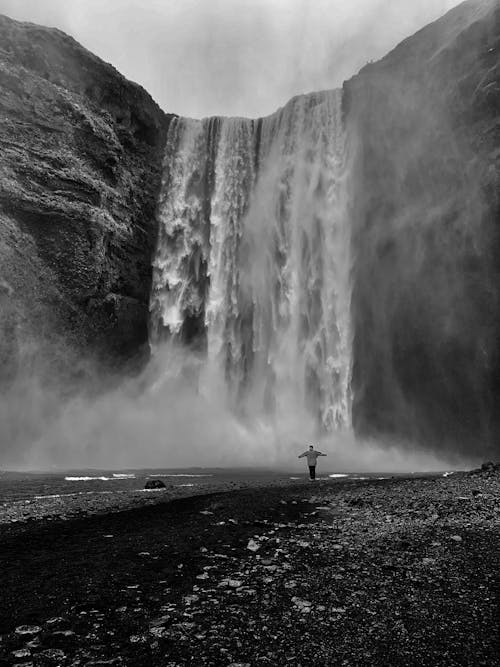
(312, 456)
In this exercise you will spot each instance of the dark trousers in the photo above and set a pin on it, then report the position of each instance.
(312, 472)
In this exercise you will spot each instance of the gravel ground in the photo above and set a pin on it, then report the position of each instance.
(389, 572)
(67, 506)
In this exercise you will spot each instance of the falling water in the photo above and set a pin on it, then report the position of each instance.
(252, 267)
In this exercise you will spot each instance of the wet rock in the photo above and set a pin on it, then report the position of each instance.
(28, 629)
(154, 484)
(381, 570)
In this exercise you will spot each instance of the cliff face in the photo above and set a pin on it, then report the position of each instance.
(80, 169)
(80, 175)
(424, 130)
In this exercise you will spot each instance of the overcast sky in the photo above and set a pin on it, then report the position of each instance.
(233, 57)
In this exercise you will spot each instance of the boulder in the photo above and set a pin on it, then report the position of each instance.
(154, 484)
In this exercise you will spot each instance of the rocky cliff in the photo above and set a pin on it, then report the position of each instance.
(80, 168)
(80, 172)
(424, 130)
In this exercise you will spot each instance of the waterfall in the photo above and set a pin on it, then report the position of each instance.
(251, 272)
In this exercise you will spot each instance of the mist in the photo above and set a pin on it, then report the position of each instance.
(200, 58)
(161, 419)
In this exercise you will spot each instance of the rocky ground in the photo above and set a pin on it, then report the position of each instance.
(378, 572)
(66, 506)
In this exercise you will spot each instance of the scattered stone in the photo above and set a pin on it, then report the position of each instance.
(159, 632)
(303, 606)
(63, 633)
(22, 653)
(56, 621)
(189, 599)
(253, 545)
(52, 655)
(28, 630)
(253, 599)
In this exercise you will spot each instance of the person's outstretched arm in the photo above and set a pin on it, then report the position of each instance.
(321, 454)
(301, 455)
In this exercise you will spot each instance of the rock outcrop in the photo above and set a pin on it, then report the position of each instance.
(80, 169)
(425, 134)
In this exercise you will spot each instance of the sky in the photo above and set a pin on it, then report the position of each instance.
(233, 57)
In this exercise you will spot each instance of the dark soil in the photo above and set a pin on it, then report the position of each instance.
(392, 572)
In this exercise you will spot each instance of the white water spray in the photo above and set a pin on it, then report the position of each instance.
(252, 265)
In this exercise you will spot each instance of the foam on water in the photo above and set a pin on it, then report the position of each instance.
(88, 479)
(178, 475)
